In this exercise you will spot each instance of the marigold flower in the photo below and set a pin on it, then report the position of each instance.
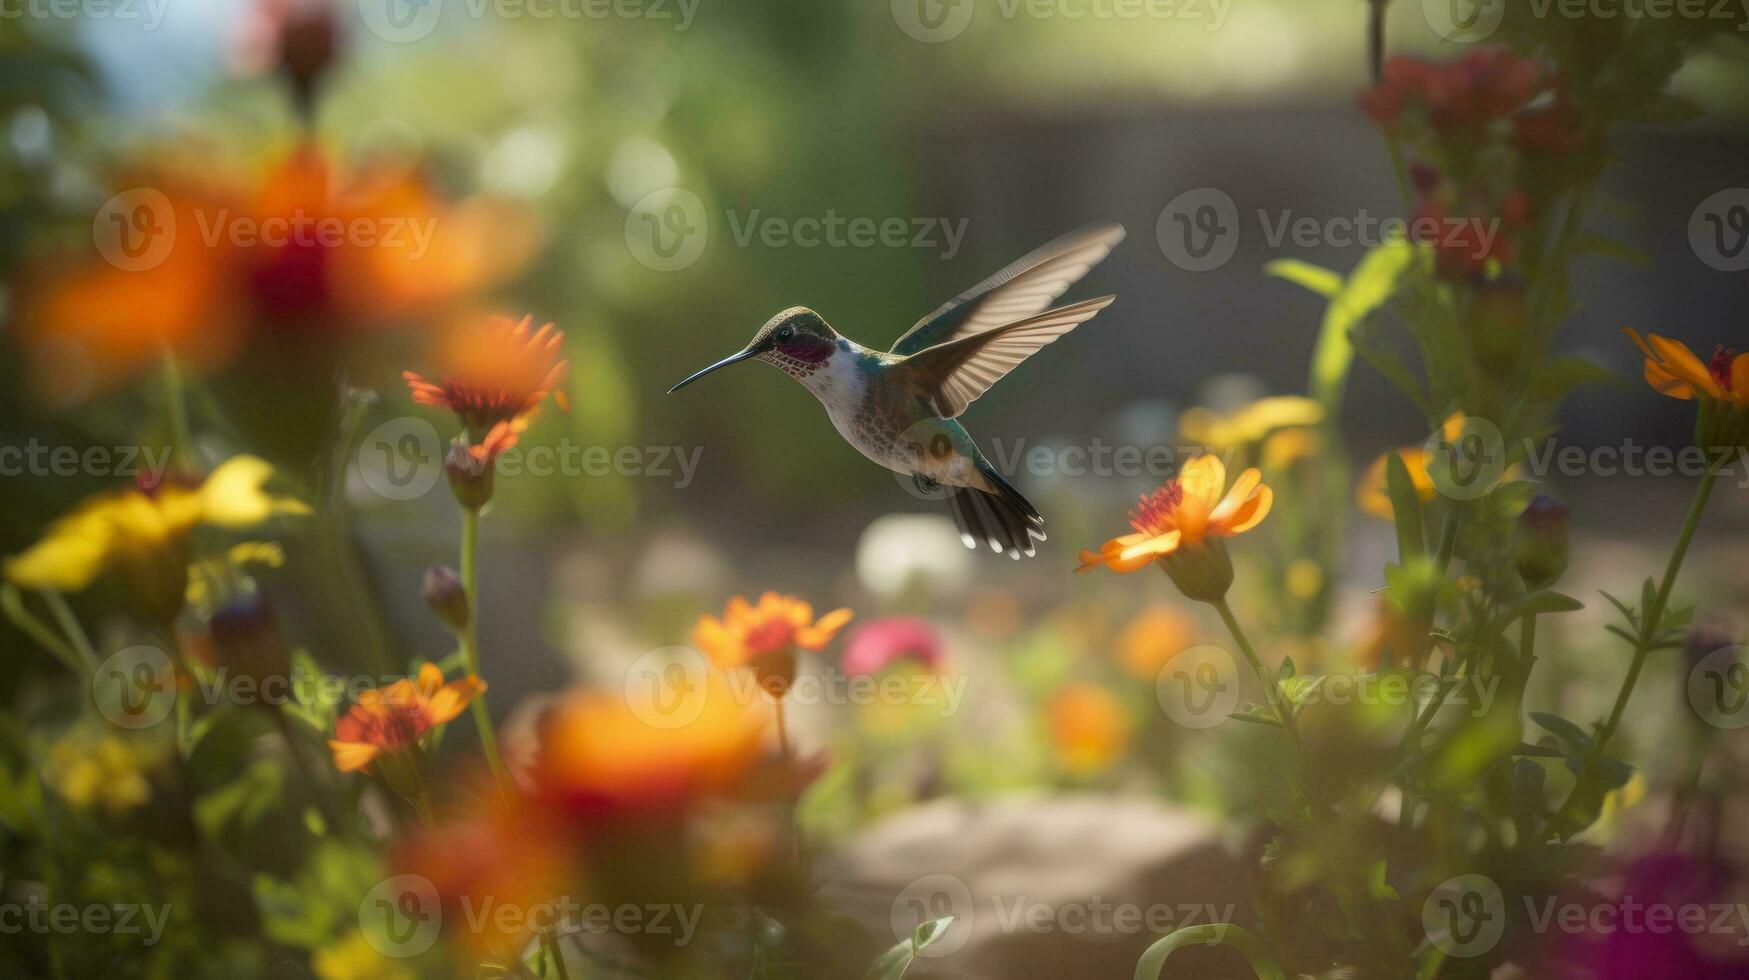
(1672, 369)
(1250, 424)
(602, 757)
(395, 718)
(496, 375)
(144, 533)
(92, 768)
(1089, 728)
(1185, 512)
(766, 636)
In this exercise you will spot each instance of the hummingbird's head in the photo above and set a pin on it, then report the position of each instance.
(798, 341)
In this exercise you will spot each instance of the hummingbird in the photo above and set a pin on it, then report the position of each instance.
(900, 407)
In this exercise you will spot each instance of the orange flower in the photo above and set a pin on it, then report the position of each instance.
(766, 636)
(604, 756)
(496, 377)
(1371, 493)
(1672, 369)
(200, 261)
(1089, 727)
(1185, 513)
(395, 718)
(1152, 639)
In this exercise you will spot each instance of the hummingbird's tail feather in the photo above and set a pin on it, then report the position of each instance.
(999, 517)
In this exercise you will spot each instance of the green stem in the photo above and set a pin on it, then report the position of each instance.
(470, 641)
(1652, 616)
(176, 410)
(12, 601)
(69, 624)
(1526, 651)
(549, 940)
(1448, 533)
(1276, 699)
(1263, 964)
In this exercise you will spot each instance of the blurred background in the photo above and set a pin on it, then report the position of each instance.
(647, 175)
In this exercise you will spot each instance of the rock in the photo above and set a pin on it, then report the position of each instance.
(1046, 886)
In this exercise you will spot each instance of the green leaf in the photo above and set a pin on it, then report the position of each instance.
(1286, 671)
(1592, 243)
(1324, 282)
(1263, 964)
(894, 962)
(1405, 508)
(1367, 288)
(1376, 883)
(1561, 728)
(1539, 604)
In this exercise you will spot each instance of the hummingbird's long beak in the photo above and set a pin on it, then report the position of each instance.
(725, 362)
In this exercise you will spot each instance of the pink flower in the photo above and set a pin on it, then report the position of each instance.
(882, 642)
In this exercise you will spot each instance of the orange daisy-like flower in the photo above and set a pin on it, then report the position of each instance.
(766, 636)
(395, 718)
(497, 375)
(1185, 513)
(1672, 369)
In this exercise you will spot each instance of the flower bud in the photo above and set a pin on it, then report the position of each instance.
(776, 671)
(1542, 541)
(246, 639)
(469, 475)
(1202, 571)
(444, 593)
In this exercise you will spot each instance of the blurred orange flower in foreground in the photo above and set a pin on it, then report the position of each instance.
(395, 718)
(1089, 727)
(495, 378)
(606, 755)
(767, 635)
(200, 262)
(1152, 639)
(1185, 512)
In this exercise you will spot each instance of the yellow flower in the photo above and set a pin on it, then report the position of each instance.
(91, 769)
(1088, 726)
(1372, 493)
(766, 636)
(354, 958)
(1250, 424)
(395, 718)
(1185, 513)
(1153, 638)
(1672, 369)
(143, 533)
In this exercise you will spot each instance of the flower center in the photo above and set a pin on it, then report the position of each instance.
(1720, 365)
(1157, 511)
(771, 636)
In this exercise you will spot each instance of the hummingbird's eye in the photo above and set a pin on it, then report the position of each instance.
(786, 333)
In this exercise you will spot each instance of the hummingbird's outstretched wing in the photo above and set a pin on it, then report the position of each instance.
(954, 374)
(1024, 288)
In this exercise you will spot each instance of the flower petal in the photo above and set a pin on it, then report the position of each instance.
(1252, 512)
(1740, 379)
(1202, 479)
(430, 679)
(352, 756)
(449, 700)
(1682, 362)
